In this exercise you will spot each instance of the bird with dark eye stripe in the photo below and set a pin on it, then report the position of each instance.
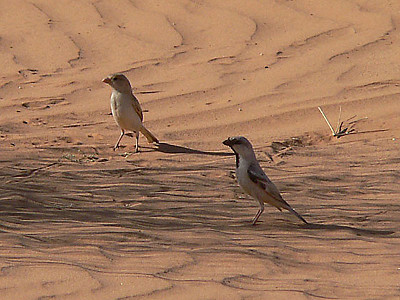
(253, 180)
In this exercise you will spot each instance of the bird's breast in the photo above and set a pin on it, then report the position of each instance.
(123, 111)
(243, 177)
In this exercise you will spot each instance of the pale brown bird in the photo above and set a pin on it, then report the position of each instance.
(126, 109)
(253, 180)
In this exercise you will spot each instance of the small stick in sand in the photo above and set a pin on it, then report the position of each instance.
(327, 121)
(340, 131)
(338, 122)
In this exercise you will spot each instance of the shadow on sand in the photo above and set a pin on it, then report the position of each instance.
(169, 148)
(358, 231)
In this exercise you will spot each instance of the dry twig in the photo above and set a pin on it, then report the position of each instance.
(341, 128)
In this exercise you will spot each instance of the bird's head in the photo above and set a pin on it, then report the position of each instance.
(240, 145)
(118, 82)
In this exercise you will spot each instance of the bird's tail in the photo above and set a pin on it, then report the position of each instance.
(296, 214)
(149, 136)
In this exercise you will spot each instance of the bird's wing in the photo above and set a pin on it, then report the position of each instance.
(257, 175)
(136, 107)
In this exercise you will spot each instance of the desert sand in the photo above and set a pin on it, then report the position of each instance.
(80, 221)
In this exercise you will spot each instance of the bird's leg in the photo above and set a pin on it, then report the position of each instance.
(137, 142)
(260, 211)
(120, 137)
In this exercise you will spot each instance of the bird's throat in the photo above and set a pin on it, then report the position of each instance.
(237, 160)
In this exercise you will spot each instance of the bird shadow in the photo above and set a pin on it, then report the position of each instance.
(357, 231)
(170, 148)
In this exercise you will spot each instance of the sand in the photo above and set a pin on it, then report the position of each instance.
(80, 221)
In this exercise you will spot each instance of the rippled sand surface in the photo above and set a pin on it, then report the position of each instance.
(79, 221)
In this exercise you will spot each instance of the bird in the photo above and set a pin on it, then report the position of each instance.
(126, 109)
(253, 180)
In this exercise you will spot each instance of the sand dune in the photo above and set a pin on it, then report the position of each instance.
(79, 221)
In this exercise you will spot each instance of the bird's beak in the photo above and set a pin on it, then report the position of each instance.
(107, 80)
(227, 142)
